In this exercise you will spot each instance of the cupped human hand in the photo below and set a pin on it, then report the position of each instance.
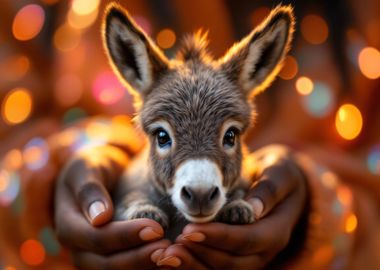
(83, 216)
(278, 198)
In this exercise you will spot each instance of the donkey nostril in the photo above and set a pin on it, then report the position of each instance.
(186, 194)
(214, 193)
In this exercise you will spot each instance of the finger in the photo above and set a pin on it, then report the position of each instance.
(236, 239)
(138, 258)
(217, 259)
(73, 229)
(86, 183)
(176, 256)
(273, 186)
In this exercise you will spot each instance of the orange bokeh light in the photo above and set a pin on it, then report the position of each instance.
(351, 223)
(323, 255)
(304, 86)
(289, 69)
(66, 38)
(32, 252)
(329, 179)
(344, 195)
(349, 121)
(85, 7)
(32, 154)
(28, 22)
(14, 68)
(369, 62)
(19, 66)
(166, 38)
(314, 29)
(81, 21)
(3, 180)
(13, 160)
(17, 106)
(9, 268)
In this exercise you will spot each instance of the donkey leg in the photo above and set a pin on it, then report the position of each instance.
(132, 208)
(147, 210)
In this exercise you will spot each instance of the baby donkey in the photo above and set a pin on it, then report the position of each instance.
(194, 110)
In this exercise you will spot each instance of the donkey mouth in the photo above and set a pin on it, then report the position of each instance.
(199, 218)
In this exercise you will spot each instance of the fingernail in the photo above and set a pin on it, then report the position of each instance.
(195, 237)
(95, 209)
(170, 261)
(155, 256)
(258, 207)
(148, 233)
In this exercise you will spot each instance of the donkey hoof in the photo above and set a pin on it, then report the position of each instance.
(147, 211)
(236, 212)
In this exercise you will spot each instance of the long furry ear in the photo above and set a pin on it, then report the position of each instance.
(134, 57)
(255, 61)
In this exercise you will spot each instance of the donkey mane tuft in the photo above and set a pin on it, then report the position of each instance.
(194, 47)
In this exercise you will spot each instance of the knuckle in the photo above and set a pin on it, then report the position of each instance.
(85, 190)
(96, 242)
(126, 238)
(71, 167)
(269, 189)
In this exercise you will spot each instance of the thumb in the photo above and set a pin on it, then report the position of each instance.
(276, 183)
(87, 184)
(94, 201)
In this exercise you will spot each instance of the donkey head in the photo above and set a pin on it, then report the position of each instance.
(195, 109)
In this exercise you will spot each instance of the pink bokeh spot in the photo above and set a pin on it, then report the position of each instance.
(107, 89)
(144, 24)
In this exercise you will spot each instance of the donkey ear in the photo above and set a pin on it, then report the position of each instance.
(133, 56)
(255, 61)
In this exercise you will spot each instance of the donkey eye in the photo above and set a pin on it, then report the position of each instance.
(163, 138)
(230, 137)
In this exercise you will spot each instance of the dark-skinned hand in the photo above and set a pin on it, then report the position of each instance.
(83, 213)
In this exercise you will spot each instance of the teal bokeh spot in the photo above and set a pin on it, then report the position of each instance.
(373, 160)
(18, 205)
(337, 207)
(320, 101)
(73, 115)
(49, 241)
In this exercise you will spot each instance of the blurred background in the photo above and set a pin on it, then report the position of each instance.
(53, 71)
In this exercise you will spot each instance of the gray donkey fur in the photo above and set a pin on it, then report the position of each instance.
(194, 110)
